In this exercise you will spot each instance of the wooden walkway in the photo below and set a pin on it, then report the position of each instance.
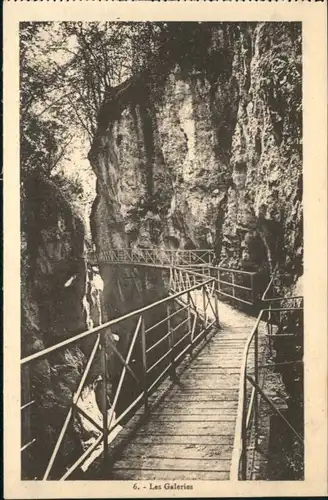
(189, 433)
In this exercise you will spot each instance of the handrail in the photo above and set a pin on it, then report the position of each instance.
(230, 269)
(160, 249)
(237, 447)
(187, 259)
(171, 256)
(97, 329)
(174, 355)
(264, 297)
(266, 291)
(215, 272)
(241, 423)
(277, 299)
(181, 277)
(181, 252)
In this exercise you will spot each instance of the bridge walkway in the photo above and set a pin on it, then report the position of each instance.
(194, 424)
(189, 433)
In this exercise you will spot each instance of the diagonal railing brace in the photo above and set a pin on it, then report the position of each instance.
(127, 360)
(275, 409)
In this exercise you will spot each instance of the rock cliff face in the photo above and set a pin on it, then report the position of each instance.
(60, 298)
(56, 296)
(265, 201)
(52, 251)
(201, 151)
(211, 155)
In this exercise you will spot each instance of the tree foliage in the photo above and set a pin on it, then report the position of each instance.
(66, 69)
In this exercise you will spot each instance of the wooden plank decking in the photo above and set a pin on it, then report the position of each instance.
(189, 433)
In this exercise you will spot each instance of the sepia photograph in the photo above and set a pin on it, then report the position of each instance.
(161, 231)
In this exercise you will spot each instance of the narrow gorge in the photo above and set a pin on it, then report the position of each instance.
(200, 148)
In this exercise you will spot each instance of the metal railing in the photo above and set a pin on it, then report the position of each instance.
(251, 390)
(232, 283)
(272, 297)
(156, 256)
(156, 349)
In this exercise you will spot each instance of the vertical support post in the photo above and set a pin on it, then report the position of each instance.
(104, 396)
(171, 340)
(144, 363)
(189, 323)
(256, 378)
(214, 284)
(244, 434)
(233, 283)
(219, 280)
(216, 305)
(270, 328)
(188, 279)
(252, 287)
(204, 307)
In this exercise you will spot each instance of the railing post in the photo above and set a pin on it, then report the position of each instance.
(244, 434)
(256, 378)
(104, 396)
(216, 305)
(219, 280)
(253, 291)
(233, 283)
(144, 363)
(204, 307)
(269, 329)
(189, 322)
(171, 340)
